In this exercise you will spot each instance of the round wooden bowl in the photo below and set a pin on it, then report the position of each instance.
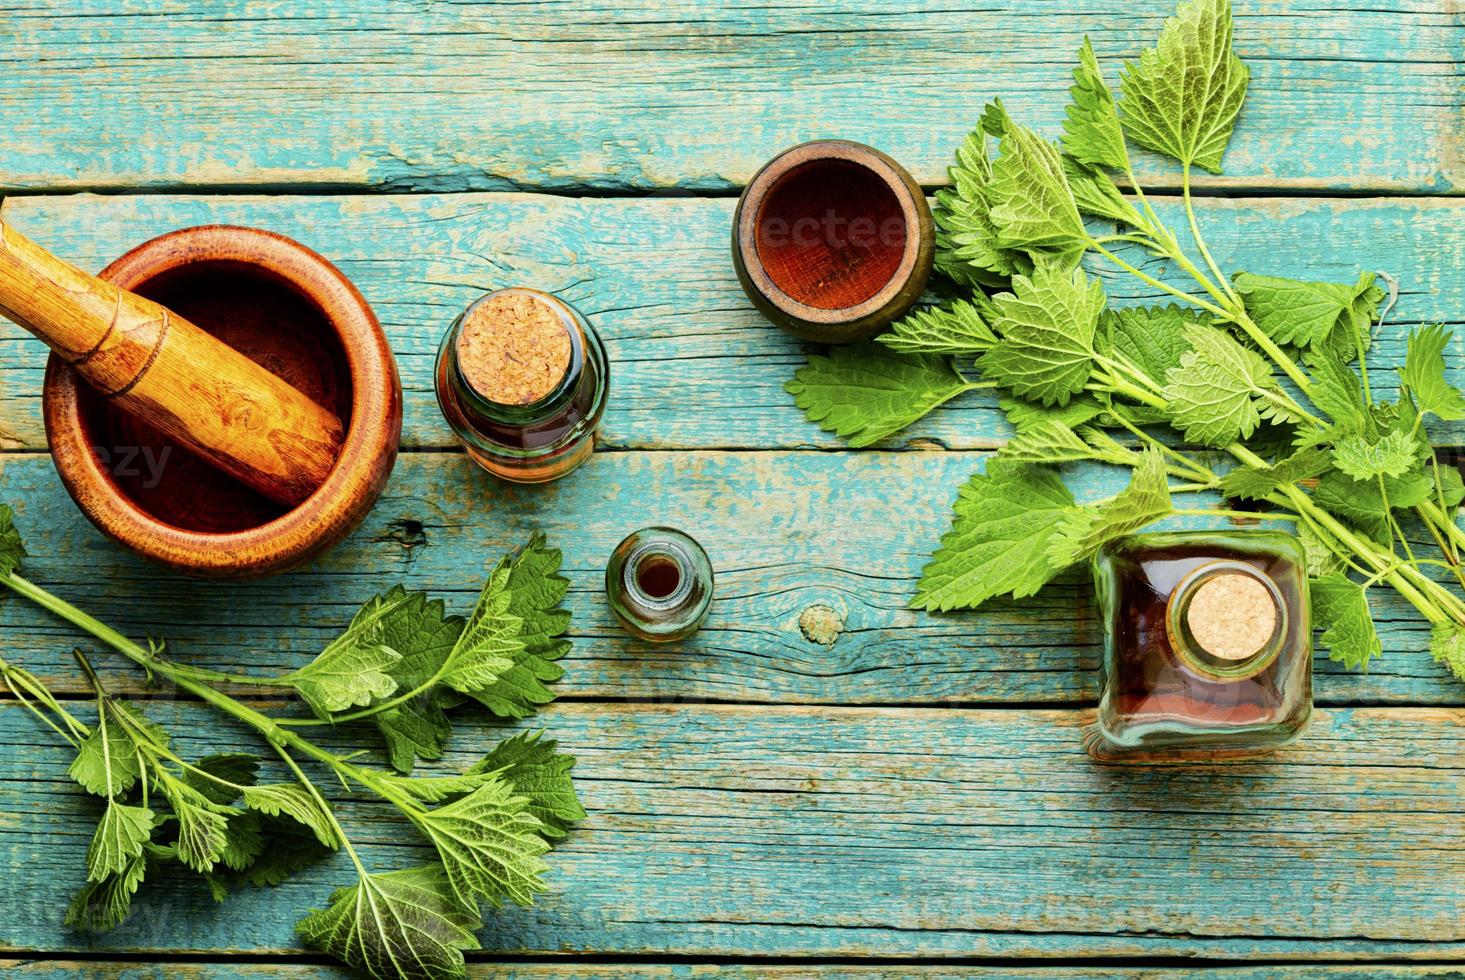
(286, 308)
(832, 240)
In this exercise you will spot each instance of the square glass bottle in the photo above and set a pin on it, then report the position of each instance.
(1207, 644)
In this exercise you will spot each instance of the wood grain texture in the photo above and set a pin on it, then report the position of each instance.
(873, 833)
(570, 969)
(693, 365)
(787, 533)
(410, 95)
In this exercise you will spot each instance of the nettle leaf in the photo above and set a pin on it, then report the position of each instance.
(535, 590)
(1091, 131)
(1212, 394)
(12, 549)
(119, 838)
(1291, 311)
(355, 669)
(292, 848)
(1361, 502)
(1423, 374)
(1151, 338)
(530, 764)
(1094, 192)
(998, 542)
(1024, 415)
(1248, 483)
(240, 768)
(1447, 644)
(1032, 205)
(485, 648)
(1084, 530)
(1047, 326)
(295, 802)
(1393, 454)
(490, 845)
(420, 630)
(1337, 391)
(865, 392)
(1340, 609)
(967, 241)
(100, 906)
(203, 826)
(244, 840)
(1053, 442)
(107, 748)
(957, 328)
(1183, 95)
(399, 924)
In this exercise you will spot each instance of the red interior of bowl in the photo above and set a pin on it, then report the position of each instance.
(831, 234)
(262, 317)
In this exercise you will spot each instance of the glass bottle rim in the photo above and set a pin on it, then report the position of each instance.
(1192, 653)
(660, 547)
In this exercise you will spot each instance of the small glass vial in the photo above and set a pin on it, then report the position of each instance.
(1207, 645)
(522, 380)
(659, 583)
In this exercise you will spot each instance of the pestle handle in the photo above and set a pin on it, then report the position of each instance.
(168, 372)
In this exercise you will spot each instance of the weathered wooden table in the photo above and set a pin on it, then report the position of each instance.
(767, 798)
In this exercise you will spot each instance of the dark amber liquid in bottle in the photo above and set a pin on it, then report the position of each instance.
(1156, 696)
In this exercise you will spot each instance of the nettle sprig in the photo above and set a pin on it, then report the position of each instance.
(400, 665)
(1259, 367)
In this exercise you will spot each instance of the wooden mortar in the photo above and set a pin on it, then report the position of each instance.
(284, 309)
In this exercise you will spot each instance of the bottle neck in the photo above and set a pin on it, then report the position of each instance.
(658, 577)
(1226, 621)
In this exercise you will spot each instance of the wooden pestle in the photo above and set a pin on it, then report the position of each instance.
(168, 372)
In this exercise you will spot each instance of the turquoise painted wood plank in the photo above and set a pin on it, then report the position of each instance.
(423, 96)
(728, 831)
(694, 366)
(799, 541)
(572, 970)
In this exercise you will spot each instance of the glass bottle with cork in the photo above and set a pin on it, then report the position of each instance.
(522, 380)
(1207, 646)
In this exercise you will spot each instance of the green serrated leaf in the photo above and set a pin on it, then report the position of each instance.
(1032, 205)
(239, 768)
(535, 588)
(295, 802)
(292, 848)
(1023, 414)
(530, 764)
(1047, 325)
(100, 906)
(488, 643)
(1337, 391)
(203, 826)
(866, 392)
(1094, 192)
(1212, 394)
(1246, 483)
(1084, 530)
(1151, 338)
(490, 845)
(1361, 502)
(425, 636)
(1053, 442)
(1183, 95)
(12, 549)
(106, 747)
(119, 838)
(244, 840)
(1423, 374)
(1447, 644)
(1340, 609)
(395, 925)
(966, 238)
(1393, 454)
(957, 328)
(1291, 311)
(355, 669)
(1091, 131)
(998, 542)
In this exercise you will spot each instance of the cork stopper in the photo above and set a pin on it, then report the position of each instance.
(514, 348)
(1232, 616)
